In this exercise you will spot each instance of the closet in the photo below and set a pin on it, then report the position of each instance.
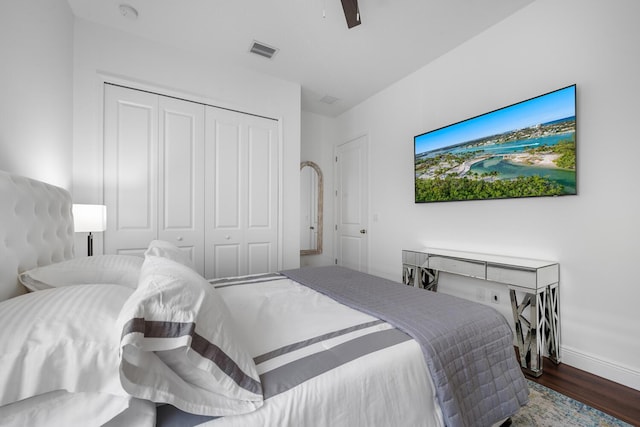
(201, 177)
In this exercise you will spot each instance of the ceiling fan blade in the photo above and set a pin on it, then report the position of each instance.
(351, 12)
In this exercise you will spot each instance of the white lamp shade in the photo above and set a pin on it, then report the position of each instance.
(89, 218)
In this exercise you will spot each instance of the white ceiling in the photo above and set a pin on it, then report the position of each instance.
(316, 49)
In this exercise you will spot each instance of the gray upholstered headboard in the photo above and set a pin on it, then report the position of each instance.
(36, 228)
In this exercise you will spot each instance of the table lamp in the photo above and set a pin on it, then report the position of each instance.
(91, 219)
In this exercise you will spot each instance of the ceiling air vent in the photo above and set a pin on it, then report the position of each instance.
(262, 49)
(328, 99)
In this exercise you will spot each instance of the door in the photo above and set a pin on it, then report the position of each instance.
(130, 169)
(154, 172)
(181, 176)
(352, 204)
(241, 224)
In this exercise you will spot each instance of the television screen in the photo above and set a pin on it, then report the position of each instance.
(527, 149)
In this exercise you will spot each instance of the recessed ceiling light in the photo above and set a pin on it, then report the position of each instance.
(128, 12)
(262, 49)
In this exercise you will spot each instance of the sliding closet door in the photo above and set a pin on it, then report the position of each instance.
(154, 172)
(181, 176)
(130, 169)
(203, 178)
(241, 187)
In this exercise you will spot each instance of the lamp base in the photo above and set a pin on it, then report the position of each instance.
(90, 244)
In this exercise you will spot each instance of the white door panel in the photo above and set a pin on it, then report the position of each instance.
(352, 204)
(259, 257)
(181, 170)
(351, 197)
(223, 197)
(261, 179)
(261, 235)
(130, 173)
(224, 162)
(241, 193)
(225, 259)
(154, 172)
(352, 252)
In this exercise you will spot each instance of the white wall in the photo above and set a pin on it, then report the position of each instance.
(36, 78)
(104, 54)
(595, 236)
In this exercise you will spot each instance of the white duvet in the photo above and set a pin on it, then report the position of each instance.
(320, 362)
(294, 331)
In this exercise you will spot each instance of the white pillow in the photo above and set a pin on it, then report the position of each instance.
(108, 269)
(180, 345)
(170, 251)
(61, 408)
(60, 339)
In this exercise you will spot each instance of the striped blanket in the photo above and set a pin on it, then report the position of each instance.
(467, 346)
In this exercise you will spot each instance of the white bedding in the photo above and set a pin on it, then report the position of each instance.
(320, 362)
(180, 345)
(389, 386)
(59, 360)
(60, 408)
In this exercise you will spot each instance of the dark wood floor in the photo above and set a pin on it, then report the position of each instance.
(614, 399)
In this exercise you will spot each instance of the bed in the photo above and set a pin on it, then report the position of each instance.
(119, 340)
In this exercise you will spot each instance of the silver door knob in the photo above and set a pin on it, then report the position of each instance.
(363, 231)
(227, 237)
(179, 239)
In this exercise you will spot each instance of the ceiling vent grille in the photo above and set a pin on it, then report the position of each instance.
(263, 50)
(328, 99)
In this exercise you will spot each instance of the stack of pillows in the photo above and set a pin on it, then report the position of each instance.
(103, 334)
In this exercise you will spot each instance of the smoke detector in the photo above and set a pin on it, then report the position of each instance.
(128, 11)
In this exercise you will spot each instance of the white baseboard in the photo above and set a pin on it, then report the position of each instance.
(600, 367)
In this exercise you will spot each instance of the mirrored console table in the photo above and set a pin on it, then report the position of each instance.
(532, 283)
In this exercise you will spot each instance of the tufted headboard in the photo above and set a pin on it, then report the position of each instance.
(36, 228)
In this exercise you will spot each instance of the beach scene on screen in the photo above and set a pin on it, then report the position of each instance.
(524, 150)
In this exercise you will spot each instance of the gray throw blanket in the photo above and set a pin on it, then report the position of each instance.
(468, 347)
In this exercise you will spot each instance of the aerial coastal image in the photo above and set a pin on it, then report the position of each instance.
(525, 150)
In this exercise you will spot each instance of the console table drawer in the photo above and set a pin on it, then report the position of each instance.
(414, 258)
(512, 276)
(531, 278)
(457, 266)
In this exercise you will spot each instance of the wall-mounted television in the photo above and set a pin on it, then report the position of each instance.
(527, 149)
